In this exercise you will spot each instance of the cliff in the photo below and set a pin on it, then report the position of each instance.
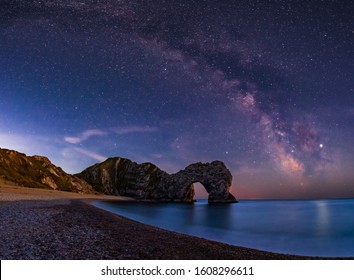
(120, 176)
(38, 172)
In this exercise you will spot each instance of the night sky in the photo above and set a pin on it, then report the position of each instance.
(265, 86)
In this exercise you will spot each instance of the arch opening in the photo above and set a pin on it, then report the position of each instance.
(199, 191)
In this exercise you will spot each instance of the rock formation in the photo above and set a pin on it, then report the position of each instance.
(214, 176)
(119, 176)
(38, 172)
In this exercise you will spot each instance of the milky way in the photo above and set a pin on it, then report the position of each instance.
(265, 87)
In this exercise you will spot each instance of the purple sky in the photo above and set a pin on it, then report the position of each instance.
(265, 87)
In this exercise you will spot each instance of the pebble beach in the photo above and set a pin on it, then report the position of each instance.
(45, 224)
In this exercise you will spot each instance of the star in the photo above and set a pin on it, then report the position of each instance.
(187, 81)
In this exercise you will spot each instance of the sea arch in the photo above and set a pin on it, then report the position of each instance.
(214, 176)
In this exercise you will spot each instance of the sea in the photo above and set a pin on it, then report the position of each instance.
(303, 227)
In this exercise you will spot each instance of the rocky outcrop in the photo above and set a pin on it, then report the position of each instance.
(38, 172)
(214, 176)
(119, 176)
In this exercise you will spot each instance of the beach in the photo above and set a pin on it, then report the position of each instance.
(45, 224)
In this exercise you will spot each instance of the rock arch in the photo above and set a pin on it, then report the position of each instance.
(214, 176)
(119, 176)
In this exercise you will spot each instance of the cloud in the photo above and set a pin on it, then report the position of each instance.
(51, 147)
(134, 129)
(91, 154)
(84, 136)
(87, 134)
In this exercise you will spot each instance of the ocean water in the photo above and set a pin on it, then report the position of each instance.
(303, 227)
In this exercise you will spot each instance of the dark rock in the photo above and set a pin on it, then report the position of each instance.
(120, 176)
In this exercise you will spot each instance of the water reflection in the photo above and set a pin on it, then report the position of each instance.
(323, 218)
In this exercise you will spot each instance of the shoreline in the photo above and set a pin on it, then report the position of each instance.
(12, 192)
(52, 225)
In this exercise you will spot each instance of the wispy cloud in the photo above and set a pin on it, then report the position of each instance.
(90, 154)
(134, 129)
(84, 136)
(87, 134)
(51, 147)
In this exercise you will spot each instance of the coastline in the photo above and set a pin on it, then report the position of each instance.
(45, 224)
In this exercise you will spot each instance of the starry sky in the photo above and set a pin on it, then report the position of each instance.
(265, 86)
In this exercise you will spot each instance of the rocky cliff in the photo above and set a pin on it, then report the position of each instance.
(120, 176)
(38, 172)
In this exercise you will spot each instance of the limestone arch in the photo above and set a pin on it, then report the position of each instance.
(214, 176)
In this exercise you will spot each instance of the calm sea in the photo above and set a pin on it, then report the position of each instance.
(306, 227)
